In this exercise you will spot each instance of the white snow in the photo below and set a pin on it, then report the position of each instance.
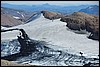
(3, 28)
(18, 12)
(56, 33)
(22, 15)
(90, 7)
(16, 17)
(9, 35)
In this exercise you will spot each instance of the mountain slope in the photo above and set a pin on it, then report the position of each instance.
(17, 14)
(8, 21)
(94, 9)
(13, 17)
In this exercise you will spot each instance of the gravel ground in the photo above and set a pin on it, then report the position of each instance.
(9, 63)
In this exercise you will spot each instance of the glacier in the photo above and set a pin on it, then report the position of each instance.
(58, 38)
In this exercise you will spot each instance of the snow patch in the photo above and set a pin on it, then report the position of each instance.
(22, 15)
(3, 28)
(90, 7)
(18, 12)
(16, 17)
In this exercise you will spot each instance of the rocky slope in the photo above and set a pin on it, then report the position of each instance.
(8, 20)
(13, 17)
(82, 21)
(51, 15)
(17, 14)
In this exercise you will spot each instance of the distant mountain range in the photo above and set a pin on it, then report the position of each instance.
(19, 14)
(94, 9)
(53, 8)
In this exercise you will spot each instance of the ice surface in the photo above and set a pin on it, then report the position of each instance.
(9, 47)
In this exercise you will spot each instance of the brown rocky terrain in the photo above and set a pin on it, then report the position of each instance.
(51, 15)
(81, 21)
(8, 20)
(13, 17)
(9, 63)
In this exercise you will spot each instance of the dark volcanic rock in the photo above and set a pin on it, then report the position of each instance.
(81, 21)
(51, 15)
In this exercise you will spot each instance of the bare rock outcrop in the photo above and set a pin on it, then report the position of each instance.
(51, 15)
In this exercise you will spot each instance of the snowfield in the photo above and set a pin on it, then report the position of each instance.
(56, 33)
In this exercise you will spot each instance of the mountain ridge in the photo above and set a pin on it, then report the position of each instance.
(49, 7)
(94, 9)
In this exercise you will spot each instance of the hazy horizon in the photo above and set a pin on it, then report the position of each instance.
(60, 3)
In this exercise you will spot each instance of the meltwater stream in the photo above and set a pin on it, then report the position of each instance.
(44, 55)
